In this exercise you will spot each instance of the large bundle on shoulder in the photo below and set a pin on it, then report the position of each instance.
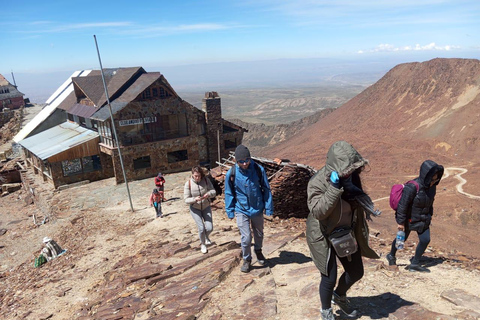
(288, 183)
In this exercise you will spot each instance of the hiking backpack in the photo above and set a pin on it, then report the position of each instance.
(259, 174)
(396, 193)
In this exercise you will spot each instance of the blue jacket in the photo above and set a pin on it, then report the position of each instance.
(247, 198)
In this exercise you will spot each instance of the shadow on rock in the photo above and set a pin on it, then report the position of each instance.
(171, 199)
(430, 262)
(287, 257)
(380, 306)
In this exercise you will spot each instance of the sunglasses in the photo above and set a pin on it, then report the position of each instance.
(244, 161)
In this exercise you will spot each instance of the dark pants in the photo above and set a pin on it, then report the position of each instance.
(353, 273)
(424, 240)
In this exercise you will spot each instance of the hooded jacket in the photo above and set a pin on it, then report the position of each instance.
(193, 189)
(325, 209)
(415, 210)
(248, 198)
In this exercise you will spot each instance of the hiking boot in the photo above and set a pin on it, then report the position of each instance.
(260, 257)
(416, 267)
(246, 266)
(203, 248)
(208, 242)
(392, 261)
(327, 314)
(344, 305)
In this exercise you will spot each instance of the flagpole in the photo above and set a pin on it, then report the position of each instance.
(113, 124)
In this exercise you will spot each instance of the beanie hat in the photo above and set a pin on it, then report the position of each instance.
(241, 153)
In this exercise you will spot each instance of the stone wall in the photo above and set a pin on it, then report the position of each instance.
(59, 179)
(56, 178)
(158, 153)
(6, 116)
(15, 103)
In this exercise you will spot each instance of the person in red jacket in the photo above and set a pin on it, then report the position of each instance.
(160, 184)
(156, 201)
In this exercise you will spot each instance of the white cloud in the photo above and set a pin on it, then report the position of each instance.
(417, 47)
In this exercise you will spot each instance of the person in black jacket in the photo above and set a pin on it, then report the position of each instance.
(415, 210)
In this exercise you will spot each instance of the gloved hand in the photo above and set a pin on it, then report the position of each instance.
(335, 180)
(231, 215)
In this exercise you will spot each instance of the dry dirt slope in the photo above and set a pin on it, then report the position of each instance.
(123, 265)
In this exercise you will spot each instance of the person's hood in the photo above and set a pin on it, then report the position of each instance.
(344, 159)
(428, 170)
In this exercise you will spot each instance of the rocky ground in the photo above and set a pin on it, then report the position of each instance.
(129, 265)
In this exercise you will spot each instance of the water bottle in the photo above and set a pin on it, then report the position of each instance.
(400, 241)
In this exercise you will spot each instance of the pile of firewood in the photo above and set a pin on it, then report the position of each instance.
(288, 182)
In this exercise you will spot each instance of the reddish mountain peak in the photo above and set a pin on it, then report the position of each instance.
(417, 110)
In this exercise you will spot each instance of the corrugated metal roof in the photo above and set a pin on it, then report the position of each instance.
(52, 103)
(58, 139)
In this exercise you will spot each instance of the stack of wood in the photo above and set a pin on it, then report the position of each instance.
(288, 182)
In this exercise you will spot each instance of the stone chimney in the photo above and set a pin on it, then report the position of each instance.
(211, 105)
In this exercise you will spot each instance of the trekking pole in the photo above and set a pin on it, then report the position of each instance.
(113, 125)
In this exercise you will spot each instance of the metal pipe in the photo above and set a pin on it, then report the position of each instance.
(113, 124)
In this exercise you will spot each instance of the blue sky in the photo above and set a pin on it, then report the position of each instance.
(45, 36)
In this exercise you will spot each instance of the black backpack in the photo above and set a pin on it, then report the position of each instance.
(259, 174)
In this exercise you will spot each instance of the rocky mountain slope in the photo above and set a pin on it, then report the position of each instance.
(417, 111)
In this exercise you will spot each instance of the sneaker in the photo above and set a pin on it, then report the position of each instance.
(416, 267)
(327, 314)
(203, 248)
(392, 261)
(344, 305)
(246, 266)
(260, 257)
(208, 242)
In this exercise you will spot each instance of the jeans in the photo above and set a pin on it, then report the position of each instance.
(204, 221)
(243, 223)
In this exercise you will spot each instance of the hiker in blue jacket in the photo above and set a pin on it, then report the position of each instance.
(247, 195)
(415, 210)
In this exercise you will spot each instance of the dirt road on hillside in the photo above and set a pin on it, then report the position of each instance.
(451, 170)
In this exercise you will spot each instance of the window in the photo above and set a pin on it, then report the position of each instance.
(91, 163)
(177, 156)
(155, 92)
(142, 163)
(82, 121)
(147, 93)
(162, 93)
(71, 167)
(230, 144)
(227, 129)
(81, 165)
(70, 117)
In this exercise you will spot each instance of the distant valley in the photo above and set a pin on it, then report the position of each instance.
(272, 106)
